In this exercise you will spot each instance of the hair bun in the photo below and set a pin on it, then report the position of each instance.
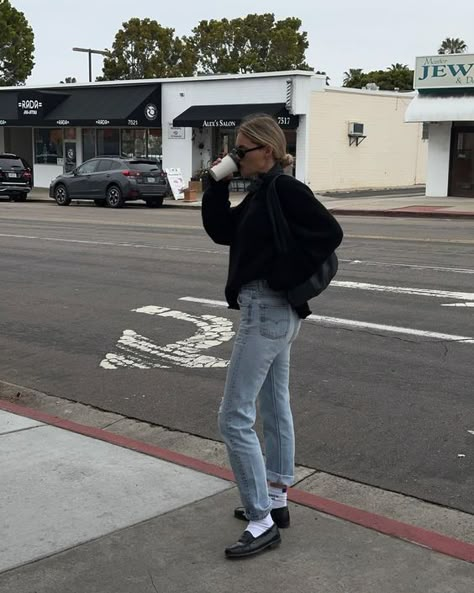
(287, 160)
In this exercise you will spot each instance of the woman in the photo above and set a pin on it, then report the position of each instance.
(259, 366)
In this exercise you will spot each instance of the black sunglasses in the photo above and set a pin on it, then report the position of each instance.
(241, 152)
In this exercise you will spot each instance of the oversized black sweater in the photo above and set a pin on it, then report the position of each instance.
(246, 228)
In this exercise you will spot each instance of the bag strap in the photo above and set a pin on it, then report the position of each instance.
(281, 230)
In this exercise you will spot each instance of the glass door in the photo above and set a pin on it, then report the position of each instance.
(70, 150)
(462, 162)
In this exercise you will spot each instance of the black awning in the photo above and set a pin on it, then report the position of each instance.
(8, 106)
(230, 116)
(125, 105)
(138, 105)
(28, 107)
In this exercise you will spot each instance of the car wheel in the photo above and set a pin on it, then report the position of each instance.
(61, 196)
(101, 203)
(21, 198)
(154, 202)
(114, 197)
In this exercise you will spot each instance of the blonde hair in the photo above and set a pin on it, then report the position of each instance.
(263, 129)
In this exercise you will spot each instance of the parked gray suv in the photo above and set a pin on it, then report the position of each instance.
(112, 181)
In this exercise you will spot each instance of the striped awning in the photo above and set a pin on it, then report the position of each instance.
(432, 108)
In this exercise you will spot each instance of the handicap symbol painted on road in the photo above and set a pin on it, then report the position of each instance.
(136, 351)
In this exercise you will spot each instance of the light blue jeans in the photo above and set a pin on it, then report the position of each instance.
(259, 368)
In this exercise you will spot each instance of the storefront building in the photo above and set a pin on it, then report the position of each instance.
(202, 115)
(340, 138)
(57, 128)
(445, 105)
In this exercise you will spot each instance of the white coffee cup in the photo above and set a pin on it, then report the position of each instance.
(228, 166)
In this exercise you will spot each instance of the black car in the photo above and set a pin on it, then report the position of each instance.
(15, 177)
(112, 181)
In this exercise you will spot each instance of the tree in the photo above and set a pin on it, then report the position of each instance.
(145, 49)
(16, 46)
(68, 80)
(452, 46)
(397, 76)
(353, 78)
(255, 43)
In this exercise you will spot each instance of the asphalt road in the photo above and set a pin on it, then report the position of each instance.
(382, 380)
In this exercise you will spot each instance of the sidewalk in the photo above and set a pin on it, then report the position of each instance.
(88, 511)
(370, 203)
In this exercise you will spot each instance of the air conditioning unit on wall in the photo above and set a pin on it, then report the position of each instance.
(356, 129)
(355, 133)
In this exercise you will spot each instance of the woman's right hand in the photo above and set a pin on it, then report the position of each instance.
(216, 162)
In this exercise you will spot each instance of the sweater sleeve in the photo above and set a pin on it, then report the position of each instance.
(218, 217)
(313, 227)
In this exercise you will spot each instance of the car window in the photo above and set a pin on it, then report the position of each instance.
(10, 163)
(144, 165)
(104, 165)
(87, 167)
(116, 165)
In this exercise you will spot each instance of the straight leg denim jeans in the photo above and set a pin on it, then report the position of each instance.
(259, 368)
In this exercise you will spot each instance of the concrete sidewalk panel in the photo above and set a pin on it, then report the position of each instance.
(13, 423)
(59, 489)
(183, 552)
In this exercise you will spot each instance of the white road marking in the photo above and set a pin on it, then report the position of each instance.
(112, 244)
(412, 239)
(357, 324)
(224, 251)
(391, 329)
(425, 292)
(457, 305)
(352, 262)
(136, 351)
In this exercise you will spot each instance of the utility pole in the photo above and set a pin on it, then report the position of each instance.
(90, 52)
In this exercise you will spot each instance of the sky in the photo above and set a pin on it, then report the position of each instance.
(342, 34)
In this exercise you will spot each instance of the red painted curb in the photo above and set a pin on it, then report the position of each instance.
(121, 441)
(400, 213)
(416, 535)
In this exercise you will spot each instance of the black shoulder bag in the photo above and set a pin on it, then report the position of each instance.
(322, 275)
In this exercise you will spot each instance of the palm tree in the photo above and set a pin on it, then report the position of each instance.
(452, 46)
(398, 67)
(353, 78)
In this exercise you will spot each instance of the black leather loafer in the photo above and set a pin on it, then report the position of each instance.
(248, 545)
(281, 516)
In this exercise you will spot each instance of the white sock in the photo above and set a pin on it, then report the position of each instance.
(256, 528)
(278, 496)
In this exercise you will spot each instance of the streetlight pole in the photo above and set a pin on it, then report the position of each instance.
(90, 52)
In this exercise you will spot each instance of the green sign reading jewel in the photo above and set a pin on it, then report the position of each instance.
(444, 71)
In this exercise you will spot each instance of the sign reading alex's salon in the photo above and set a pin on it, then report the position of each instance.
(444, 71)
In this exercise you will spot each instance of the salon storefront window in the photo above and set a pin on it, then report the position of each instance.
(49, 146)
(133, 142)
(88, 143)
(108, 141)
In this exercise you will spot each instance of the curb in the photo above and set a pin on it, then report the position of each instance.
(432, 540)
(336, 211)
(400, 213)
